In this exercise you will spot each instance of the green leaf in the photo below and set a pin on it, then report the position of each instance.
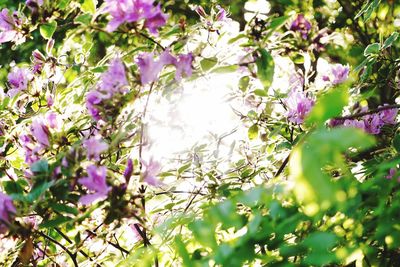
(63, 208)
(54, 222)
(372, 49)
(47, 30)
(260, 92)
(204, 232)
(41, 166)
(265, 68)
(328, 106)
(208, 63)
(244, 83)
(89, 6)
(12, 187)
(389, 41)
(253, 132)
(368, 9)
(38, 190)
(396, 143)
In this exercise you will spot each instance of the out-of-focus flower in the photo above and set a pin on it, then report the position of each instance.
(33, 5)
(221, 15)
(40, 131)
(9, 27)
(388, 116)
(31, 150)
(128, 170)
(7, 209)
(135, 10)
(302, 25)
(340, 73)
(96, 182)
(152, 169)
(94, 147)
(114, 79)
(156, 20)
(200, 10)
(354, 123)
(149, 68)
(94, 98)
(373, 123)
(299, 105)
(18, 79)
(52, 120)
(183, 66)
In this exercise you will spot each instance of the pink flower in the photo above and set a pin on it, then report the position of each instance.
(7, 209)
(388, 116)
(152, 169)
(221, 15)
(149, 68)
(340, 73)
(18, 79)
(114, 79)
(31, 150)
(96, 182)
(373, 124)
(94, 147)
(40, 131)
(135, 10)
(302, 25)
(299, 105)
(9, 25)
(183, 65)
(128, 170)
(52, 120)
(94, 98)
(156, 20)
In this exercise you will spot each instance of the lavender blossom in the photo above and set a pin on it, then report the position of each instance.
(94, 98)
(123, 11)
(94, 147)
(96, 182)
(388, 116)
(340, 73)
(299, 105)
(152, 169)
(183, 66)
(114, 79)
(7, 209)
(18, 79)
(302, 25)
(128, 170)
(41, 132)
(9, 27)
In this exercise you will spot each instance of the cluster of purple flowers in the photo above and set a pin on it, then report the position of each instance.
(7, 210)
(10, 27)
(150, 68)
(338, 74)
(133, 11)
(112, 82)
(18, 80)
(301, 25)
(95, 182)
(39, 137)
(371, 123)
(298, 106)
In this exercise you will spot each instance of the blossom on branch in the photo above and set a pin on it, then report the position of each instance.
(299, 105)
(96, 182)
(7, 209)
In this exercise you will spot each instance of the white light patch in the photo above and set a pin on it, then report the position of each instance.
(199, 112)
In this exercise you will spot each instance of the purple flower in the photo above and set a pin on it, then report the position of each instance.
(114, 79)
(94, 98)
(221, 15)
(183, 65)
(31, 150)
(355, 124)
(340, 73)
(134, 10)
(18, 79)
(52, 121)
(155, 20)
(96, 182)
(373, 123)
(9, 27)
(94, 147)
(152, 169)
(388, 116)
(302, 25)
(128, 170)
(149, 67)
(299, 105)
(40, 131)
(7, 209)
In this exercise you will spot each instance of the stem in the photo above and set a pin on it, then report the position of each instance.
(361, 114)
